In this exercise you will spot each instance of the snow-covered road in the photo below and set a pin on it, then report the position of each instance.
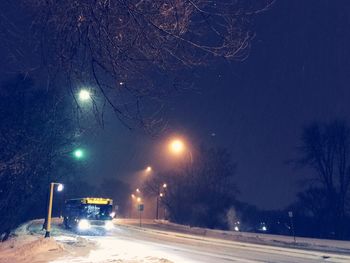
(133, 244)
(154, 244)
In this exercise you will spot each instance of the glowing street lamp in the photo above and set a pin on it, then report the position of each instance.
(84, 95)
(78, 153)
(59, 187)
(176, 146)
(49, 209)
(149, 169)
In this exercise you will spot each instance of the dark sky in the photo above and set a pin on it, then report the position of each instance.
(298, 71)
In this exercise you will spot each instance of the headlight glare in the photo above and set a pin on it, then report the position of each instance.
(83, 224)
(109, 225)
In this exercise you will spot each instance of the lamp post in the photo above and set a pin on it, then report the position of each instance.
(159, 195)
(49, 209)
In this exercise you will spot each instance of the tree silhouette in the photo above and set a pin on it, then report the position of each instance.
(326, 149)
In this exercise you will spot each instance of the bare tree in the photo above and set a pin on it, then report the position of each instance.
(135, 52)
(326, 149)
(35, 132)
(205, 186)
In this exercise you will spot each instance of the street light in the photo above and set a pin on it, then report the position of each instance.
(78, 153)
(84, 95)
(149, 169)
(49, 209)
(160, 194)
(178, 146)
(60, 187)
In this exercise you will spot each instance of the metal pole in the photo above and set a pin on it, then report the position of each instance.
(140, 217)
(49, 210)
(157, 212)
(293, 230)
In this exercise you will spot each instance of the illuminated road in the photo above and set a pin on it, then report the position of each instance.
(131, 244)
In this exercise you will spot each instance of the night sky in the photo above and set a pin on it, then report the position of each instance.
(297, 72)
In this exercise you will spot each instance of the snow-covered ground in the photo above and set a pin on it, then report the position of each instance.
(257, 238)
(155, 242)
(27, 244)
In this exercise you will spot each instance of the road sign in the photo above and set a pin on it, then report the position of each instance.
(140, 207)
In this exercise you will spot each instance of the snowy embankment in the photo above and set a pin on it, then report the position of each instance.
(256, 238)
(27, 244)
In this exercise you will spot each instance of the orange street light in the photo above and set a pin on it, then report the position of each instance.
(149, 169)
(176, 146)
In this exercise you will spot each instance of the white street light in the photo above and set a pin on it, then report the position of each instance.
(60, 187)
(84, 95)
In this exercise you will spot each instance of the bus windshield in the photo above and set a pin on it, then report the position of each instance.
(96, 212)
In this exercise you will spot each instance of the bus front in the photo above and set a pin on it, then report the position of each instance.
(90, 214)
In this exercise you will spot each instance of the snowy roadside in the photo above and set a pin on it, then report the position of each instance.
(27, 244)
(324, 245)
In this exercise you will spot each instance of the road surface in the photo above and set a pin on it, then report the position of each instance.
(132, 244)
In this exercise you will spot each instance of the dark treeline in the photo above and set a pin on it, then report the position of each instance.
(34, 135)
(199, 193)
(38, 134)
(203, 193)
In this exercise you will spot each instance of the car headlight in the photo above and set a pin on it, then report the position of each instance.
(83, 224)
(109, 225)
(236, 228)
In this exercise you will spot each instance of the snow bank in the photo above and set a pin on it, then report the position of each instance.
(27, 244)
(256, 238)
(19, 252)
(38, 246)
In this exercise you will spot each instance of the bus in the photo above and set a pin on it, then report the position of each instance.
(88, 214)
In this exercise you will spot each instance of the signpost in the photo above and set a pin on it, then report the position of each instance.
(140, 208)
(290, 214)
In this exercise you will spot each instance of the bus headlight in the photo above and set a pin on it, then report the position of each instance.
(108, 225)
(83, 224)
(112, 214)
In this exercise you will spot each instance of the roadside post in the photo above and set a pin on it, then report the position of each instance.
(140, 208)
(290, 214)
(49, 209)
